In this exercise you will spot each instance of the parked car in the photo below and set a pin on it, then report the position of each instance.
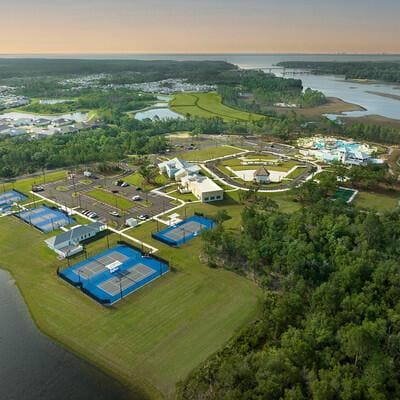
(124, 184)
(143, 217)
(138, 189)
(37, 188)
(114, 213)
(136, 198)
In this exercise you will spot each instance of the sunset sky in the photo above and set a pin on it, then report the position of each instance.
(199, 26)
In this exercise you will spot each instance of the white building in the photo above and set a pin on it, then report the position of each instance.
(262, 175)
(176, 168)
(68, 243)
(353, 157)
(205, 189)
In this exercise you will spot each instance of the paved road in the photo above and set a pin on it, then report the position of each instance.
(212, 167)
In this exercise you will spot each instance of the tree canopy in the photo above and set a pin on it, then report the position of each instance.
(330, 323)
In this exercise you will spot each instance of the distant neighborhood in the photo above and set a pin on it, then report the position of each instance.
(17, 124)
(9, 100)
(165, 86)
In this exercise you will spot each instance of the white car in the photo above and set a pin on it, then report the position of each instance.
(124, 184)
(136, 198)
(114, 213)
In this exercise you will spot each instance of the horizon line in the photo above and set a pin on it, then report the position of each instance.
(338, 53)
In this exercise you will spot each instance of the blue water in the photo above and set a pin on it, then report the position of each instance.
(158, 113)
(331, 86)
(321, 145)
(33, 367)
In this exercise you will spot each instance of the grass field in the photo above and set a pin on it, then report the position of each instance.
(137, 180)
(110, 198)
(236, 164)
(208, 105)
(150, 340)
(25, 185)
(183, 196)
(377, 201)
(209, 153)
(298, 171)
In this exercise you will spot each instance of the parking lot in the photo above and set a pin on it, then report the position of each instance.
(76, 193)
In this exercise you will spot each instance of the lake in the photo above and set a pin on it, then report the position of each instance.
(33, 367)
(158, 113)
(331, 86)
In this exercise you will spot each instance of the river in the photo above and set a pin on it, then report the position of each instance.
(331, 86)
(33, 367)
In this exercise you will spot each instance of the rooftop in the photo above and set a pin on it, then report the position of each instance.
(74, 234)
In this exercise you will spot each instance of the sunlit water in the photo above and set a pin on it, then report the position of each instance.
(158, 113)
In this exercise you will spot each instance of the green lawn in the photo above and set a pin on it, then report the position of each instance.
(137, 180)
(183, 196)
(25, 185)
(282, 167)
(150, 340)
(209, 152)
(377, 201)
(209, 105)
(110, 198)
(294, 174)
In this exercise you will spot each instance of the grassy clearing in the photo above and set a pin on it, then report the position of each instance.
(208, 105)
(137, 180)
(377, 201)
(210, 152)
(110, 198)
(294, 174)
(25, 185)
(183, 196)
(236, 165)
(150, 340)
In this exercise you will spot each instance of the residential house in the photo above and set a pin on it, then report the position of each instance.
(261, 175)
(68, 243)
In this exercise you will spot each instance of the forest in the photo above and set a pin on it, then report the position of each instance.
(330, 326)
(115, 100)
(138, 70)
(369, 70)
(122, 135)
(257, 91)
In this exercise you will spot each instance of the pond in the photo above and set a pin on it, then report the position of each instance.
(32, 367)
(158, 113)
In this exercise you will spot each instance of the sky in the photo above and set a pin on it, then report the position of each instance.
(199, 26)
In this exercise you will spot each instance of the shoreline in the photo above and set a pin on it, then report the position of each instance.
(334, 105)
(129, 391)
(386, 95)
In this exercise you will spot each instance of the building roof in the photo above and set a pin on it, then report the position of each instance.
(262, 172)
(206, 184)
(74, 234)
(180, 165)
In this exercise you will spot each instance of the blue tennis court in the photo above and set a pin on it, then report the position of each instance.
(115, 273)
(45, 218)
(11, 197)
(183, 231)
